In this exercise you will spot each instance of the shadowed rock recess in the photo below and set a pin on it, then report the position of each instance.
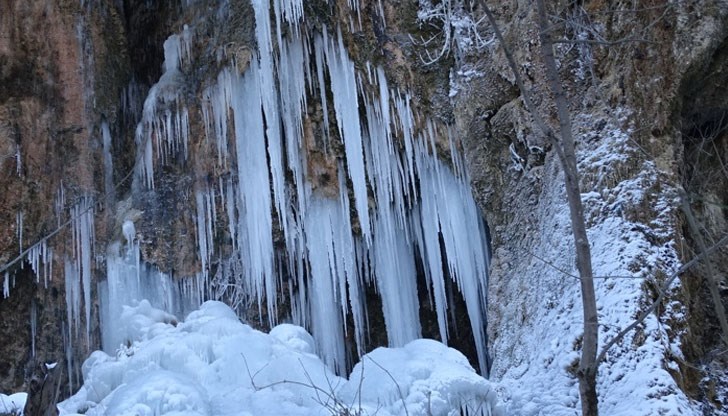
(368, 170)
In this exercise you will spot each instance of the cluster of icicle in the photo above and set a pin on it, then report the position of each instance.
(422, 211)
(78, 268)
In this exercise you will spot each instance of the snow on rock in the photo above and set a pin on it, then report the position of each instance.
(539, 333)
(13, 404)
(213, 364)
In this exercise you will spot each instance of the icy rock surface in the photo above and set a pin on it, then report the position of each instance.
(212, 364)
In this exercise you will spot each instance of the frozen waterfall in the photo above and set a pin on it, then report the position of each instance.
(384, 209)
(392, 213)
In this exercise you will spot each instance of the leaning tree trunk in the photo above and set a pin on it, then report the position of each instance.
(563, 143)
(588, 364)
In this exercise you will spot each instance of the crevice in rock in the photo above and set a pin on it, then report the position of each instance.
(704, 130)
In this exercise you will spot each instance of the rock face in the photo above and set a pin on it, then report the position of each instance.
(52, 56)
(648, 93)
(641, 108)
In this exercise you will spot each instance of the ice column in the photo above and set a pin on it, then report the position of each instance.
(255, 240)
(83, 237)
(108, 163)
(346, 104)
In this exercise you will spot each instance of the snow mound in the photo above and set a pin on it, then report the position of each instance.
(13, 404)
(213, 364)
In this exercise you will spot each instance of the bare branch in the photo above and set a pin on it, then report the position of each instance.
(712, 285)
(545, 129)
(58, 229)
(603, 42)
(399, 390)
(557, 268)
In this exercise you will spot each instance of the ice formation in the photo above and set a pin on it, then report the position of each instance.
(13, 404)
(396, 213)
(212, 364)
(130, 281)
(395, 216)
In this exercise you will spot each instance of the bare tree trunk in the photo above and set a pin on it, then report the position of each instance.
(588, 364)
(564, 146)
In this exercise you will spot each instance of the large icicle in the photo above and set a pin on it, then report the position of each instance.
(83, 237)
(346, 104)
(416, 218)
(265, 81)
(324, 223)
(463, 235)
(396, 277)
(255, 240)
(165, 120)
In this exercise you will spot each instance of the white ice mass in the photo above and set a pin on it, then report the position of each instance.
(213, 364)
(395, 211)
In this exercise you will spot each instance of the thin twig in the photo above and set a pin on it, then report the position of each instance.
(331, 403)
(557, 268)
(399, 390)
(58, 229)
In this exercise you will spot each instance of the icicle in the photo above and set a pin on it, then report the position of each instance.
(465, 248)
(396, 278)
(169, 131)
(83, 236)
(68, 347)
(18, 161)
(145, 170)
(108, 163)
(205, 221)
(343, 86)
(323, 218)
(19, 224)
(73, 289)
(348, 262)
(232, 214)
(319, 56)
(290, 11)
(292, 101)
(255, 240)
(33, 326)
(215, 115)
(60, 203)
(265, 81)
(6, 286)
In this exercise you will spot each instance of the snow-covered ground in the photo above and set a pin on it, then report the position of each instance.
(213, 364)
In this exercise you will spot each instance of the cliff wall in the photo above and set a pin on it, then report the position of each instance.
(647, 89)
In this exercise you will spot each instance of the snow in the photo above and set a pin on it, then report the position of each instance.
(213, 364)
(13, 404)
(539, 327)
